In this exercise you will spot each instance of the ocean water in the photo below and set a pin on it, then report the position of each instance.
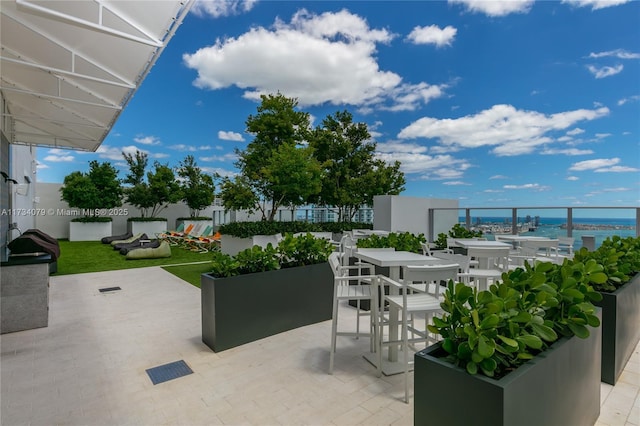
(551, 228)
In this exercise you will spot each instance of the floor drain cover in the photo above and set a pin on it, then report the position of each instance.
(168, 372)
(102, 290)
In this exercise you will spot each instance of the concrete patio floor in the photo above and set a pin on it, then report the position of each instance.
(88, 367)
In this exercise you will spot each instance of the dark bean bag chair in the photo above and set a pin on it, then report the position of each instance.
(163, 250)
(32, 243)
(108, 240)
(118, 244)
(132, 246)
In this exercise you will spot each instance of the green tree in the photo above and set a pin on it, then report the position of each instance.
(197, 187)
(275, 170)
(352, 175)
(97, 189)
(152, 191)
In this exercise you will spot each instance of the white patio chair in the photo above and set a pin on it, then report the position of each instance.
(492, 262)
(566, 244)
(409, 304)
(350, 287)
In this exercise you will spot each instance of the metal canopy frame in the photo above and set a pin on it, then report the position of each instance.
(68, 68)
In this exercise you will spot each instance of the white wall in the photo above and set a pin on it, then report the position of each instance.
(55, 221)
(23, 194)
(396, 213)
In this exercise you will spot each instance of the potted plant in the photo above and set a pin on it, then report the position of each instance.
(264, 291)
(520, 353)
(457, 231)
(96, 194)
(620, 302)
(150, 192)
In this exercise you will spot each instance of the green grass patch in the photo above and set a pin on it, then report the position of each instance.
(77, 257)
(189, 273)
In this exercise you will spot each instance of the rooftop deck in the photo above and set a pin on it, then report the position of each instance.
(88, 367)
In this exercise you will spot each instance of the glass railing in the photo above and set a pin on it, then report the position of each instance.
(589, 224)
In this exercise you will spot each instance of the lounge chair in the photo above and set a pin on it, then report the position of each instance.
(163, 250)
(126, 240)
(108, 240)
(135, 242)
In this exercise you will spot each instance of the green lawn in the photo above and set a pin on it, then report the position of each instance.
(189, 273)
(92, 256)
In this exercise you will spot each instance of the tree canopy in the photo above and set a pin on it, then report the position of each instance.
(150, 192)
(274, 168)
(352, 175)
(197, 187)
(289, 164)
(97, 189)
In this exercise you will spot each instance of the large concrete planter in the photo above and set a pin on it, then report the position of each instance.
(89, 231)
(620, 328)
(233, 245)
(245, 308)
(151, 228)
(558, 387)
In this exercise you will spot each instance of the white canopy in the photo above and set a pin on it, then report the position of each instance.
(68, 68)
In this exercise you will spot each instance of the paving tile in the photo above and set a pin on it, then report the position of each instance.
(88, 366)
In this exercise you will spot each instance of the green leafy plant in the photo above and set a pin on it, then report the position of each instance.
(457, 231)
(197, 187)
(248, 229)
(93, 191)
(91, 219)
(258, 259)
(224, 265)
(147, 219)
(620, 260)
(291, 251)
(401, 241)
(303, 250)
(493, 332)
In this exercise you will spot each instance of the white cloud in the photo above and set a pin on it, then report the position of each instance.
(496, 7)
(147, 140)
(594, 164)
(605, 71)
(493, 191)
(629, 99)
(318, 59)
(113, 153)
(230, 136)
(59, 158)
(228, 157)
(219, 8)
(400, 147)
(433, 35)
(617, 169)
(497, 177)
(41, 166)
(427, 166)
(595, 4)
(529, 186)
(456, 183)
(508, 130)
(573, 178)
(570, 151)
(618, 53)
(602, 135)
(575, 131)
(219, 171)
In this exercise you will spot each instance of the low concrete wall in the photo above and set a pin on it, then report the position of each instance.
(24, 297)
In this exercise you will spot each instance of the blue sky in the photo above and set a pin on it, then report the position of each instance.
(509, 103)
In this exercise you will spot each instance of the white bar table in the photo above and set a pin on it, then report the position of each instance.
(394, 260)
(470, 242)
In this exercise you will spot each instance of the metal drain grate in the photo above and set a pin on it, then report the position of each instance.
(166, 372)
(102, 290)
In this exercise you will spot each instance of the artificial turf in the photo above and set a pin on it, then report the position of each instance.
(77, 257)
(190, 273)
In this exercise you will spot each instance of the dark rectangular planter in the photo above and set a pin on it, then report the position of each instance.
(620, 328)
(558, 387)
(245, 308)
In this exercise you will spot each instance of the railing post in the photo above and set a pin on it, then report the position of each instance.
(638, 222)
(430, 219)
(514, 221)
(467, 218)
(569, 222)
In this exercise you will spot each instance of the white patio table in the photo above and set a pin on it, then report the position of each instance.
(394, 260)
(470, 242)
